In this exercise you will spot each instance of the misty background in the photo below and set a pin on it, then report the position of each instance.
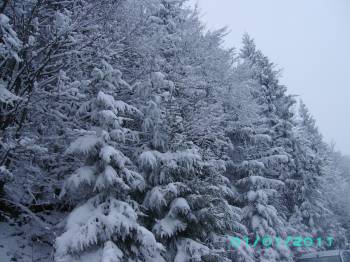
(309, 40)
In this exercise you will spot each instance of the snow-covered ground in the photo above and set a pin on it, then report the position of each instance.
(18, 246)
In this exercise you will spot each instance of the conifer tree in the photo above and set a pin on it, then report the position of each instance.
(252, 168)
(276, 113)
(105, 227)
(312, 215)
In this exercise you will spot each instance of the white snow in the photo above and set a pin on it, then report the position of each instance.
(111, 253)
(179, 205)
(148, 160)
(6, 96)
(107, 152)
(190, 250)
(168, 227)
(84, 175)
(83, 145)
(4, 20)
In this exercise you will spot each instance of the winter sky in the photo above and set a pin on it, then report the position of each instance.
(309, 40)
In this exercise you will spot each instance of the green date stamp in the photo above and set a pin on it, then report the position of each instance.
(273, 241)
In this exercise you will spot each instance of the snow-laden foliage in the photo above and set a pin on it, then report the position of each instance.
(312, 212)
(189, 207)
(128, 132)
(107, 222)
(10, 44)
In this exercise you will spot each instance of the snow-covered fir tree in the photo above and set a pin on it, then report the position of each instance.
(257, 185)
(184, 193)
(312, 214)
(105, 227)
(187, 205)
(276, 114)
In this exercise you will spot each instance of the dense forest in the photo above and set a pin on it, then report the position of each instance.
(128, 132)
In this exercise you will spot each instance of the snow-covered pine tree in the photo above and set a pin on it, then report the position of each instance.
(105, 226)
(188, 201)
(251, 169)
(309, 168)
(261, 158)
(187, 207)
(335, 190)
(200, 70)
(191, 190)
(276, 113)
(312, 214)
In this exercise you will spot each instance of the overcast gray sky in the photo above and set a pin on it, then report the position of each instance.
(309, 39)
